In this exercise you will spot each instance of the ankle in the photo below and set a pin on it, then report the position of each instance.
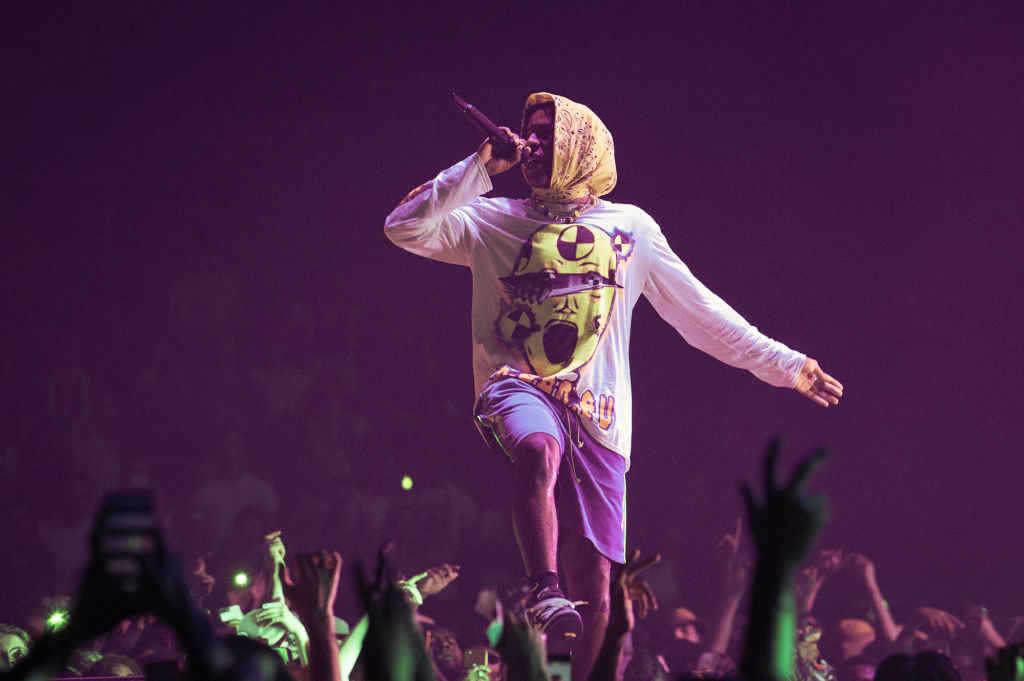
(541, 581)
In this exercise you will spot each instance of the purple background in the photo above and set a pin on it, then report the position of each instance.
(192, 204)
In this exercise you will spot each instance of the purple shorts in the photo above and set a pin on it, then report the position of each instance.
(590, 493)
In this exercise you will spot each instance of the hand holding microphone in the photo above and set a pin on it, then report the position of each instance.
(502, 149)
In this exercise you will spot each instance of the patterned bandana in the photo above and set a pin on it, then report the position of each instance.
(584, 154)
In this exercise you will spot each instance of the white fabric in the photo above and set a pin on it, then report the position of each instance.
(449, 221)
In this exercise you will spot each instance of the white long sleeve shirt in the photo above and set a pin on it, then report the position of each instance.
(553, 303)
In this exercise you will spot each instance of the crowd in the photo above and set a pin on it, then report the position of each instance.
(137, 613)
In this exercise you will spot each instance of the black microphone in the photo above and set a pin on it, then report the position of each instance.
(503, 146)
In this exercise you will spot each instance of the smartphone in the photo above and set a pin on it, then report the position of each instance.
(125, 531)
(559, 667)
(231, 613)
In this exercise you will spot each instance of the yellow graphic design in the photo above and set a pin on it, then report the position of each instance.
(598, 410)
(558, 303)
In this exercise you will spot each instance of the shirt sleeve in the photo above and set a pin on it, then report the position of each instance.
(430, 222)
(708, 323)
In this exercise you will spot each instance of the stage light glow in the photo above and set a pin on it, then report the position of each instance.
(241, 579)
(406, 482)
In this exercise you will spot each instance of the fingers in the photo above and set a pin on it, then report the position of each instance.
(447, 571)
(634, 568)
(637, 589)
(831, 383)
(832, 386)
(269, 613)
(487, 147)
(824, 389)
(952, 621)
(817, 386)
(805, 471)
(824, 393)
(310, 568)
(522, 148)
(622, 577)
(816, 393)
(332, 562)
(814, 398)
(641, 592)
(819, 397)
(729, 544)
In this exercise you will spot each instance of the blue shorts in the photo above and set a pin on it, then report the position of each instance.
(590, 493)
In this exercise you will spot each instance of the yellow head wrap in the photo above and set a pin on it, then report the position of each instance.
(584, 154)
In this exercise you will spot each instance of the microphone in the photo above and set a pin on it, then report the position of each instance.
(503, 146)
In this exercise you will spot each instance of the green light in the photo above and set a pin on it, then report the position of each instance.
(57, 620)
(406, 482)
(241, 579)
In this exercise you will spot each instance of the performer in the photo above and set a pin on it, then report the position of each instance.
(555, 279)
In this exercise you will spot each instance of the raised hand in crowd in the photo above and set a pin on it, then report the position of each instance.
(862, 569)
(736, 565)
(129, 573)
(981, 631)
(1007, 664)
(522, 648)
(785, 523)
(201, 581)
(812, 576)
(628, 591)
(734, 560)
(273, 558)
(429, 583)
(437, 578)
(625, 590)
(394, 648)
(276, 625)
(271, 620)
(312, 587)
(932, 623)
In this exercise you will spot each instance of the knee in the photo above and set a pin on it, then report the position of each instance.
(537, 459)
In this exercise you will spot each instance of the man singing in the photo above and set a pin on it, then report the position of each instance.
(555, 279)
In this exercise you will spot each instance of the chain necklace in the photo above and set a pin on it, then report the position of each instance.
(562, 217)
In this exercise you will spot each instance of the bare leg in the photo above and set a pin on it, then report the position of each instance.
(533, 503)
(587, 578)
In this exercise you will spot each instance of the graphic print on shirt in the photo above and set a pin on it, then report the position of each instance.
(559, 300)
